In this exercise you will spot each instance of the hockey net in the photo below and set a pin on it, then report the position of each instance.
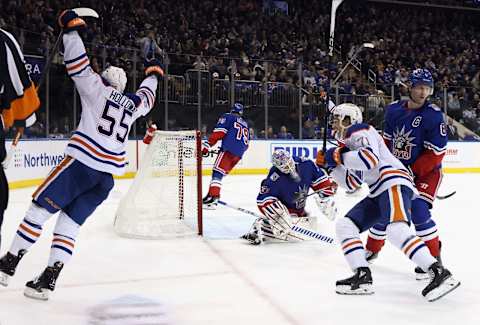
(165, 199)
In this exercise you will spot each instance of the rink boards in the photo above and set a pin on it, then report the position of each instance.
(33, 159)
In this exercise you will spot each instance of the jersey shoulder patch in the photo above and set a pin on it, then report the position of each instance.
(356, 128)
(435, 108)
(264, 189)
(223, 119)
(274, 176)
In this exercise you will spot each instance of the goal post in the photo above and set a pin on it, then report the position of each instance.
(165, 197)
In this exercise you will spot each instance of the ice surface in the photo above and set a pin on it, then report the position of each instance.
(219, 279)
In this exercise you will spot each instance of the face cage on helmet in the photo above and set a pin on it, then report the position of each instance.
(285, 166)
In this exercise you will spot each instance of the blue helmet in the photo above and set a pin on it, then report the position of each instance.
(237, 108)
(421, 77)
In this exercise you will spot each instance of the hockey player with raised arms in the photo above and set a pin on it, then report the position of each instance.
(233, 131)
(283, 196)
(96, 150)
(416, 134)
(391, 191)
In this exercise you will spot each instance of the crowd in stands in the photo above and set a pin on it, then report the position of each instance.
(268, 46)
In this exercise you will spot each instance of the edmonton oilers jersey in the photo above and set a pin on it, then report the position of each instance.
(237, 134)
(410, 131)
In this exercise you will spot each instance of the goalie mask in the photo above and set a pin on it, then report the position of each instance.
(116, 77)
(344, 116)
(283, 161)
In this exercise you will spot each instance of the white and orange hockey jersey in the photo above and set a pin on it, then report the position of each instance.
(368, 154)
(107, 115)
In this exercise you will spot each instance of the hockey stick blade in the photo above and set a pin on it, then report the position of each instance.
(443, 197)
(86, 12)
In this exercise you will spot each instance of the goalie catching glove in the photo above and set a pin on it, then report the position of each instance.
(70, 21)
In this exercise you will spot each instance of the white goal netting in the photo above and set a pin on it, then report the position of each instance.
(164, 200)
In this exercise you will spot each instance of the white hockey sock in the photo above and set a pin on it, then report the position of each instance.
(29, 229)
(428, 234)
(349, 237)
(403, 237)
(63, 243)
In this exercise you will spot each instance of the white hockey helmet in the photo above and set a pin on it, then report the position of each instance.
(348, 109)
(340, 112)
(283, 161)
(116, 77)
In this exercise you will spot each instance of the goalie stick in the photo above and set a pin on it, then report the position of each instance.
(298, 229)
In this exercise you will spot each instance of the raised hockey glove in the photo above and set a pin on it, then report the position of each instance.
(153, 67)
(70, 21)
(149, 135)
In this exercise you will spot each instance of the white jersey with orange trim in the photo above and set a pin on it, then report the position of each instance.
(107, 115)
(367, 155)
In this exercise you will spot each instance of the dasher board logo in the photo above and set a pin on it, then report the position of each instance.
(37, 159)
(305, 149)
(403, 143)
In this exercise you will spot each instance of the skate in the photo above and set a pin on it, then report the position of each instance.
(210, 202)
(252, 237)
(421, 275)
(40, 287)
(8, 265)
(354, 192)
(441, 284)
(359, 284)
(370, 256)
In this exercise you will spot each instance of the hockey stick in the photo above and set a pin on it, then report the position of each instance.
(446, 196)
(298, 229)
(82, 12)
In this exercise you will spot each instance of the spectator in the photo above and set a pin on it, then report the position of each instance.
(284, 134)
(453, 105)
(452, 130)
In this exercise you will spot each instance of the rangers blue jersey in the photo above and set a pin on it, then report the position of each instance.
(410, 131)
(236, 134)
(292, 193)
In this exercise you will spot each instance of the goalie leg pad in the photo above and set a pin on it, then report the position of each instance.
(278, 212)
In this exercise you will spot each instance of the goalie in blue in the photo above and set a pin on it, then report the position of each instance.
(283, 193)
